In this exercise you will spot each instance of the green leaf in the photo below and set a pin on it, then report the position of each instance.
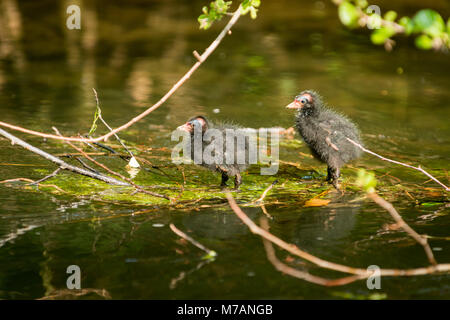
(348, 14)
(97, 114)
(217, 10)
(407, 23)
(428, 21)
(362, 3)
(253, 12)
(430, 204)
(424, 42)
(250, 6)
(380, 36)
(366, 180)
(211, 255)
(390, 15)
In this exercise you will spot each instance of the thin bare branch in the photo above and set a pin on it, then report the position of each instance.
(191, 240)
(399, 163)
(59, 162)
(266, 191)
(51, 175)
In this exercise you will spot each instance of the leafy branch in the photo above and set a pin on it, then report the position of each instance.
(219, 8)
(429, 27)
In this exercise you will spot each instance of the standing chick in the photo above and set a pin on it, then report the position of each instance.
(325, 133)
(197, 127)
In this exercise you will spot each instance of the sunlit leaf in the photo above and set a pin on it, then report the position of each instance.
(429, 22)
(380, 36)
(424, 42)
(348, 14)
(390, 15)
(362, 3)
(366, 180)
(211, 255)
(407, 23)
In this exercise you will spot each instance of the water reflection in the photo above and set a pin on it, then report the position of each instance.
(132, 54)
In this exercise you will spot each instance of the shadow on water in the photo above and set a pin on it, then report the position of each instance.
(132, 54)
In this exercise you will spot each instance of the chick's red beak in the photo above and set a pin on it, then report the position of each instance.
(294, 105)
(185, 127)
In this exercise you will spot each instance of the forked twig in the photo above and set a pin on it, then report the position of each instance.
(362, 273)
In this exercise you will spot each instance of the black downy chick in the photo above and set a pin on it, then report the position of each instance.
(325, 133)
(197, 128)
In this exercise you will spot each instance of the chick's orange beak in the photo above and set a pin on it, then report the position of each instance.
(185, 127)
(294, 105)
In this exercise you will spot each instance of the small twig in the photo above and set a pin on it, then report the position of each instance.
(106, 125)
(197, 56)
(402, 224)
(57, 294)
(51, 175)
(182, 275)
(32, 181)
(399, 163)
(266, 191)
(86, 166)
(88, 144)
(264, 210)
(191, 240)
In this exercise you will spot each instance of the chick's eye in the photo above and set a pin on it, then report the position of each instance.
(303, 100)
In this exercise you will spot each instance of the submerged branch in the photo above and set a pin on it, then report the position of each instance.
(280, 266)
(402, 224)
(183, 235)
(361, 273)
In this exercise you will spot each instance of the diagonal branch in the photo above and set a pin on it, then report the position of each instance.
(175, 87)
(59, 162)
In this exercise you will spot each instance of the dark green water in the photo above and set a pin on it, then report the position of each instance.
(132, 54)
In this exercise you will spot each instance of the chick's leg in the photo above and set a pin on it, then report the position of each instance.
(237, 181)
(336, 172)
(224, 179)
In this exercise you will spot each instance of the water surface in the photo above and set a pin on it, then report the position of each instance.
(132, 54)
